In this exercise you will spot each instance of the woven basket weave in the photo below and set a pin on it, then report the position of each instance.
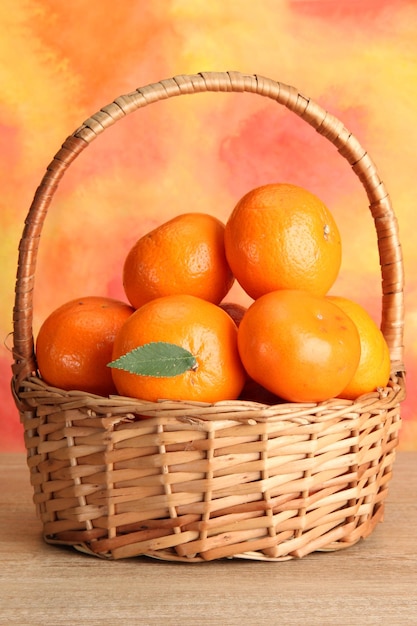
(197, 482)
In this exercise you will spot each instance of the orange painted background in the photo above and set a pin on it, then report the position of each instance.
(62, 61)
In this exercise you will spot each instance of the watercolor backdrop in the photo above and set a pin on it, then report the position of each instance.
(62, 61)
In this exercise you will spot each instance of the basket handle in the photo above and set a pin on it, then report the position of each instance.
(330, 127)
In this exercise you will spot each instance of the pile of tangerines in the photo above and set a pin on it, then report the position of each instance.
(178, 339)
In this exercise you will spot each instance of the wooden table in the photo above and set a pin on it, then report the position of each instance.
(373, 582)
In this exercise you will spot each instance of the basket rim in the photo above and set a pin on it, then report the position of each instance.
(326, 124)
(116, 410)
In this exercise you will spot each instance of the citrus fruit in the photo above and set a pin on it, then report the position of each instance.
(254, 392)
(299, 346)
(234, 310)
(198, 326)
(374, 366)
(281, 236)
(182, 256)
(75, 343)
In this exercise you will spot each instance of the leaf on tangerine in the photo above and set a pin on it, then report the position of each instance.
(157, 358)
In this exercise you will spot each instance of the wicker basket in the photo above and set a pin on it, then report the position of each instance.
(197, 482)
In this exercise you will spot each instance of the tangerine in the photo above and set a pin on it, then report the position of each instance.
(299, 346)
(234, 310)
(281, 236)
(254, 392)
(374, 367)
(200, 327)
(182, 256)
(75, 343)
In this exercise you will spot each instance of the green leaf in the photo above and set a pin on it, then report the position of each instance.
(158, 358)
